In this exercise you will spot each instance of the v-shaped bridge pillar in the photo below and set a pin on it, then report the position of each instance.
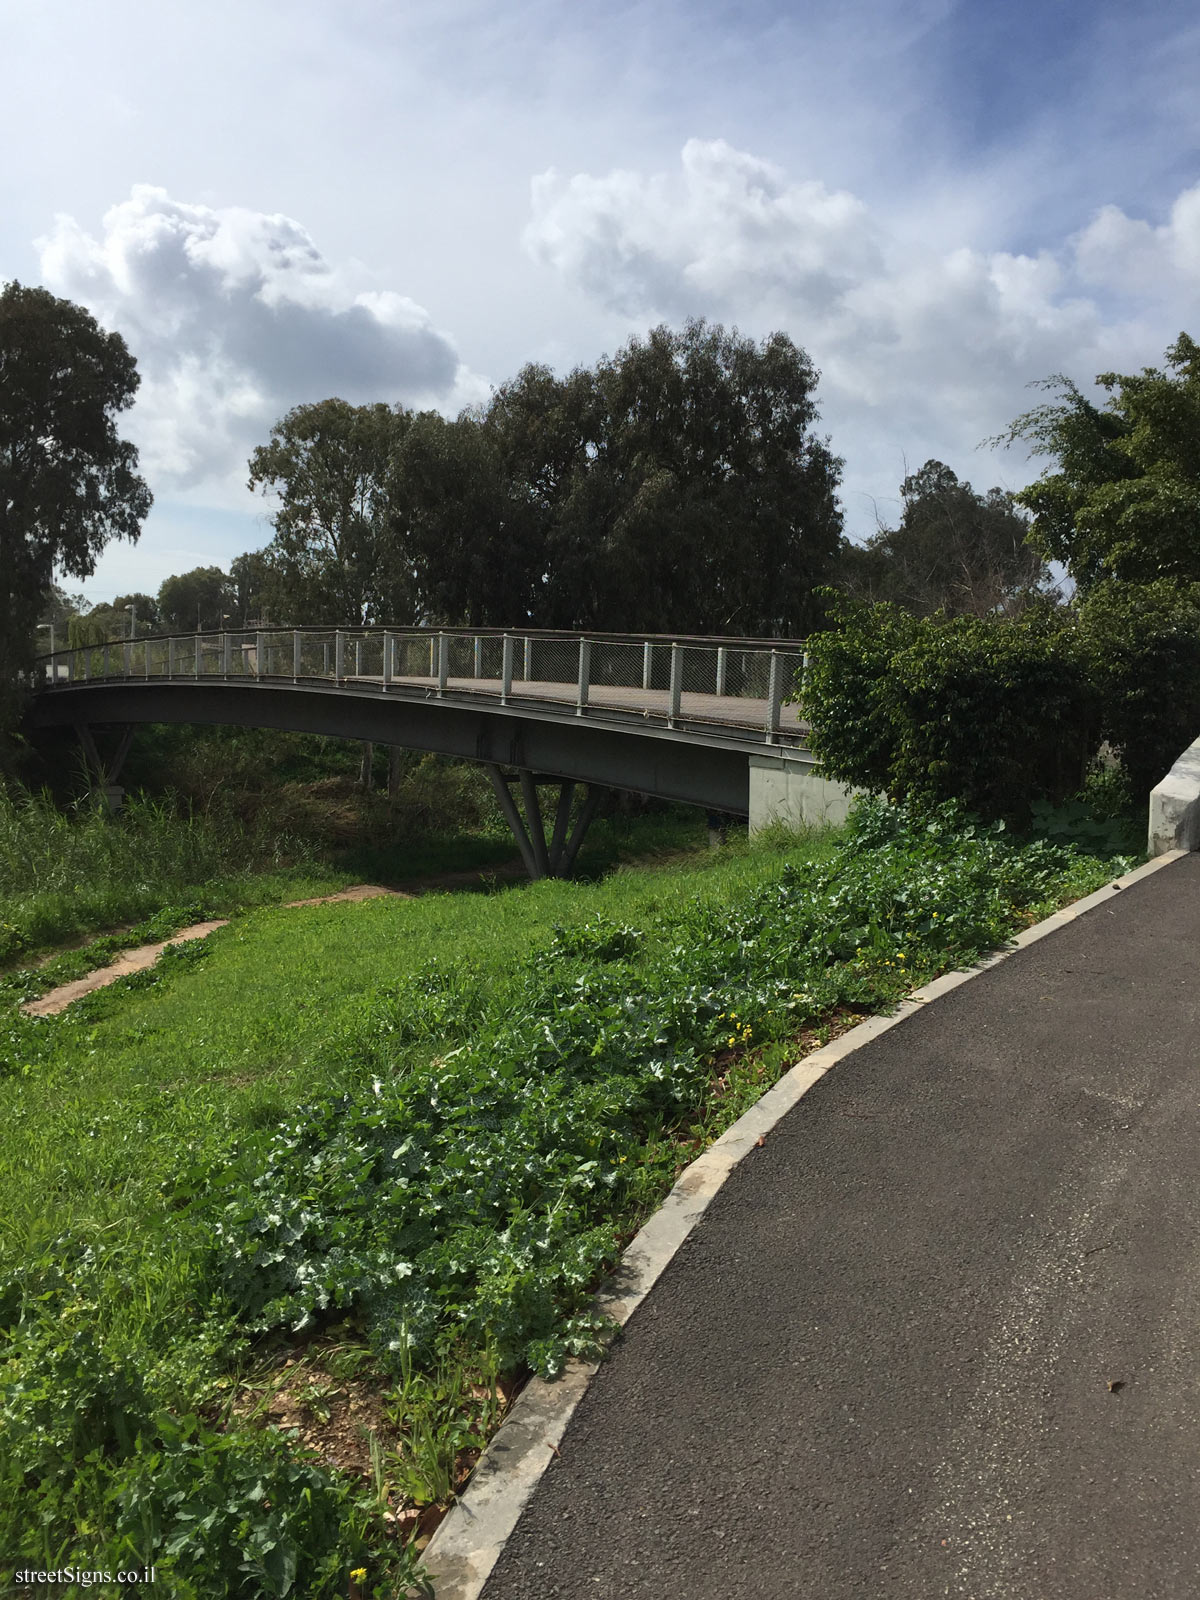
(102, 773)
(556, 858)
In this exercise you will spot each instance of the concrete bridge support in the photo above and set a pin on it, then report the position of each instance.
(542, 860)
(102, 773)
(787, 787)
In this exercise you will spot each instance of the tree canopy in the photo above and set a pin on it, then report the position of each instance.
(680, 485)
(677, 486)
(194, 601)
(1124, 498)
(331, 556)
(955, 550)
(68, 482)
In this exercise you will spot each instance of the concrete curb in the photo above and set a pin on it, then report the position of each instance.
(463, 1551)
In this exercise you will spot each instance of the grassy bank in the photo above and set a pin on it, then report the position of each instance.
(289, 1215)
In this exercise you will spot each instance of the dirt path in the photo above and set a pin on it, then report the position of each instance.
(145, 955)
(137, 960)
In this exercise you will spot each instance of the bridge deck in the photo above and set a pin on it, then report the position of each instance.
(730, 710)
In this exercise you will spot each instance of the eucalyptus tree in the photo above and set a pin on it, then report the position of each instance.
(68, 481)
(332, 557)
(955, 550)
(679, 485)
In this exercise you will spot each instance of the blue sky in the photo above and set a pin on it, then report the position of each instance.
(941, 202)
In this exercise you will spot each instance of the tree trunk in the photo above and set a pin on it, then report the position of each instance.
(364, 772)
(395, 755)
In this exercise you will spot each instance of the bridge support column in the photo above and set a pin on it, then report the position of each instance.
(541, 860)
(103, 775)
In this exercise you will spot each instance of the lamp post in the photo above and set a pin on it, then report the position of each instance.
(132, 610)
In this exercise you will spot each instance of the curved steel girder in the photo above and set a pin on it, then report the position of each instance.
(691, 766)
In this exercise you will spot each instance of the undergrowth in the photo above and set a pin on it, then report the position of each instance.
(475, 1140)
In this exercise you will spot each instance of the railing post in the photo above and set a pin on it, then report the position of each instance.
(443, 662)
(506, 669)
(339, 656)
(128, 660)
(528, 659)
(647, 664)
(395, 657)
(106, 661)
(774, 696)
(388, 642)
(433, 655)
(199, 656)
(260, 655)
(585, 662)
(721, 663)
(226, 654)
(358, 658)
(296, 655)
(87, 665)
(71, 666)
(478, 656)
(171, 656)
(676, 685)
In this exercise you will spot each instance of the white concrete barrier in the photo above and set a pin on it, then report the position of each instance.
(1175, 806)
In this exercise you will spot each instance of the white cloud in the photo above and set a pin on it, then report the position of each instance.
(1127, 254)
(234, 316)
(924, 350)
(732, 230)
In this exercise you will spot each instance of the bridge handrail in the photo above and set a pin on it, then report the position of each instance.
(740, 641)
(723, 680)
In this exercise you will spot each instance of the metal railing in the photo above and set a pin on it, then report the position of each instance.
(739, 684)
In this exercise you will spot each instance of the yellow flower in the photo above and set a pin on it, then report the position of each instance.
(359, 1574)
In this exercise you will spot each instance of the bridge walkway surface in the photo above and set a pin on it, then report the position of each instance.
(940, 1335)
(721, 710)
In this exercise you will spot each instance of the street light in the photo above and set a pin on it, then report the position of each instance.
(132, 610)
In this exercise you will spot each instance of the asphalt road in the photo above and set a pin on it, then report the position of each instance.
(940, 1336)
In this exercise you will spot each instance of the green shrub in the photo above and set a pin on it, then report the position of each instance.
(845, 689)
(1141, 647)
(991, 712)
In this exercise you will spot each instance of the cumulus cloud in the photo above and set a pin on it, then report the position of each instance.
(1120, 253)
(731, 228)
(234, 317)
(923, 351)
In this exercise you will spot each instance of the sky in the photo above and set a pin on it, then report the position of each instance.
(941, 202)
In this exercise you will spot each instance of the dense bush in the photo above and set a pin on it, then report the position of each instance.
(1004, 714)
(992, 712)
(1140, 644)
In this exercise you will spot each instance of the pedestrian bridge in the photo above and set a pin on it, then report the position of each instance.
(709, 722)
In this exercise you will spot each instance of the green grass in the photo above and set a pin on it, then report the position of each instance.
(411, 1135)
(63, 876)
